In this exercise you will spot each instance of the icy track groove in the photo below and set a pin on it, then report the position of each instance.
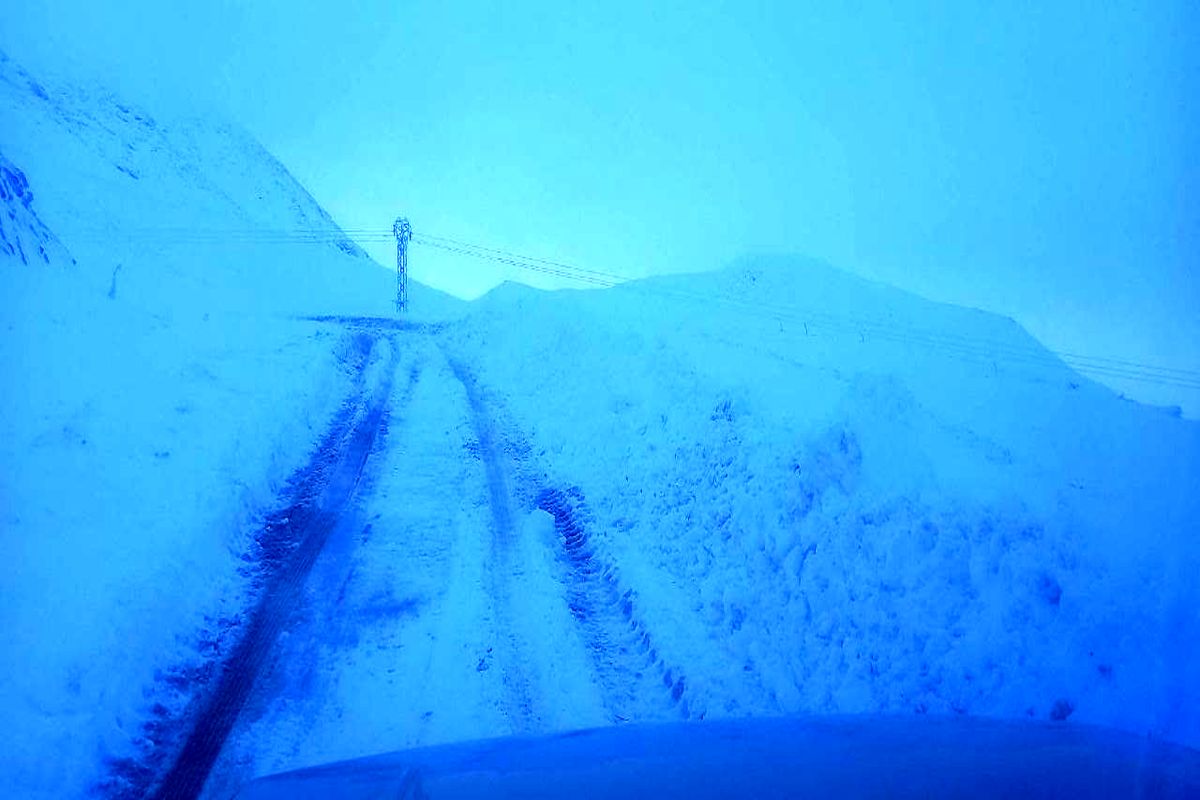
(501, 567)
(638, 684)
(593, 622)
(295, 540)
(437, 611)
(442, 595)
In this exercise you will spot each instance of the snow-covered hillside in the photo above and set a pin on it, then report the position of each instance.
(157, 389)
(828, 495)
(774, 488)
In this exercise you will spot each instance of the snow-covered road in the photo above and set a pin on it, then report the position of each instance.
(463, 588)
(773, 488)
(445, 604)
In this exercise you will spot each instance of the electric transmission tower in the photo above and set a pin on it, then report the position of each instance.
(403, 233)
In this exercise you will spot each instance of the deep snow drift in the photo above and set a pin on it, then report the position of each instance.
(799, 491)
(832, 496)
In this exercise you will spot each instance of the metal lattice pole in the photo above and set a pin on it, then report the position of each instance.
(403, 233)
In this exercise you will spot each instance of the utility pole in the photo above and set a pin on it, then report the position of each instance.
(403, 233)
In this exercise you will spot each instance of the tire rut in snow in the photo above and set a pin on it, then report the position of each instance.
(637, 681)
(518, 702)
(318, 617)
(287, 546)
(378, 323)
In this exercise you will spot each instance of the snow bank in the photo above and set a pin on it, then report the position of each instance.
(832, 496)
(158, 389)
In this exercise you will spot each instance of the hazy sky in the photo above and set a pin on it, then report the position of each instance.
(1038, 159)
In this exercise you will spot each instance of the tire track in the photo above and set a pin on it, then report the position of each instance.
(637, 682)
(518, 698)
(319, 616)
(288, 546)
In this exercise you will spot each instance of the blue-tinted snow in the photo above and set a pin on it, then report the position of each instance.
(823, 516)
(799, 491)
(156, 395)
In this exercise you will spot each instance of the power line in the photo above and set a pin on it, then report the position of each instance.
(949, 343)
(516, 261)
(436, 241)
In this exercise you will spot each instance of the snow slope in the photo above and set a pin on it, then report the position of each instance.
(831, 496)
(811, 493)
(158, 387)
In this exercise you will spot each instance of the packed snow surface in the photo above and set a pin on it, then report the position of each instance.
(771, 489)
